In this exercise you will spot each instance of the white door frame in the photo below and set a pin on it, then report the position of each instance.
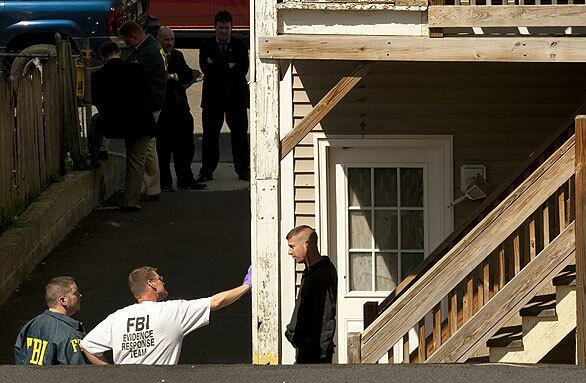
(325, 182)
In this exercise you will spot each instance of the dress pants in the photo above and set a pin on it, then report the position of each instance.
(135, 161)
(152, 177)
(176, 138)
(237, 121)
(95, 137)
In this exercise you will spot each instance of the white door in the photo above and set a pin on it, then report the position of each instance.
(389, 208)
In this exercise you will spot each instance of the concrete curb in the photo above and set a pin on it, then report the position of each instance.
(48, 220)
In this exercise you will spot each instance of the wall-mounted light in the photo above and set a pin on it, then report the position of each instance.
(473, 183)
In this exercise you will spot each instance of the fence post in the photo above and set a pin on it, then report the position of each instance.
(580, 240)
(68, 105)
(354, 356)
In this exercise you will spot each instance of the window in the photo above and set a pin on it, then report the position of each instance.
(386, 223)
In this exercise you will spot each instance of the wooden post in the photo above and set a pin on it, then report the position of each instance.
(370, 312)
(580, 241)
(354, 348)
(264, 189)
(436, 32)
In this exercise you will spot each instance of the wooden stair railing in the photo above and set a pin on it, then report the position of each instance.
(552, 143)
(494, 268)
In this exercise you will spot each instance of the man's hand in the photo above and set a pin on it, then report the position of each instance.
(248, 277)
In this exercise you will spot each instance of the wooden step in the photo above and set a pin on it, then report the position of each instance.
(542, 306)
(508, 336)
(542, 334)
(567, 277)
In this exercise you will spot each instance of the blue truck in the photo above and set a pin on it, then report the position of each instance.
(28, 27)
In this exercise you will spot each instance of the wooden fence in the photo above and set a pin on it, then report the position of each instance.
(38, 124)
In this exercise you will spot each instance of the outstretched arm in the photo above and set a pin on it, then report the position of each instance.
(226, 298)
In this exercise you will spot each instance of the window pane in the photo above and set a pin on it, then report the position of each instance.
(360, 272)
(409, 261)
(385, 187)
(386, 271)
(359, 186)
(360, 232)
(385, 229)
(411, 187)
(411, 229)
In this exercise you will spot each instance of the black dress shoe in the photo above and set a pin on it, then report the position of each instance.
(150, 197)
(203, 178)
(130, 209)
(244, 177)
(194, 186)
(167, 189)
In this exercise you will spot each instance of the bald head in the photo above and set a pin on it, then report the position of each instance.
(166, 38)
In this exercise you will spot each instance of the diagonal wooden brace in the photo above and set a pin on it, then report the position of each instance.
(323, 107)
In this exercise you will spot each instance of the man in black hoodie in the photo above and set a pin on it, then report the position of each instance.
(313, 323)
(120, 91)
(147, 52)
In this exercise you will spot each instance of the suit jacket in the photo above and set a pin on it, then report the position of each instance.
(151, 56)
(120, 91)
(175, 94)
(224, 82)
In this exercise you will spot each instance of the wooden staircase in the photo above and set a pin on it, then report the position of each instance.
(544, 323)
(490, 284)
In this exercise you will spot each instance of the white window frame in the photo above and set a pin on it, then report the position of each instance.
(399, 250)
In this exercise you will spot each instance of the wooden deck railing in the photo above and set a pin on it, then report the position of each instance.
(492, 271)
(511, 2)
(551, 144)
(507, 13)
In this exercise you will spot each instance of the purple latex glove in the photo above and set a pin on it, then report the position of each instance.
(248, 277)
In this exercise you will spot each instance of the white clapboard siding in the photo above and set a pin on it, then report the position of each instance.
(497, 113)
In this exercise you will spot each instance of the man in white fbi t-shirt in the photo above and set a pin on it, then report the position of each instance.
(151, 331)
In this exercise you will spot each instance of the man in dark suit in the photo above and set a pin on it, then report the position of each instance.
(175, 133)
(120, 91)
(147, 52)
(223, 60)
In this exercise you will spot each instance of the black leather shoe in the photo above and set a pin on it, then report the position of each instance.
(203, 178)
(194, 186)
(150, 198)
(244, 177)
(130, 209)
(167, 189)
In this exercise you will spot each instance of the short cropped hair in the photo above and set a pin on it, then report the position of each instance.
(108, 48)
(308, 231)
(130, 28)
(138, 279)
(223, 17)
(56, 288)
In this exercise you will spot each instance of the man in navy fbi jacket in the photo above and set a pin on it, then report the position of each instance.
(53, 337)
